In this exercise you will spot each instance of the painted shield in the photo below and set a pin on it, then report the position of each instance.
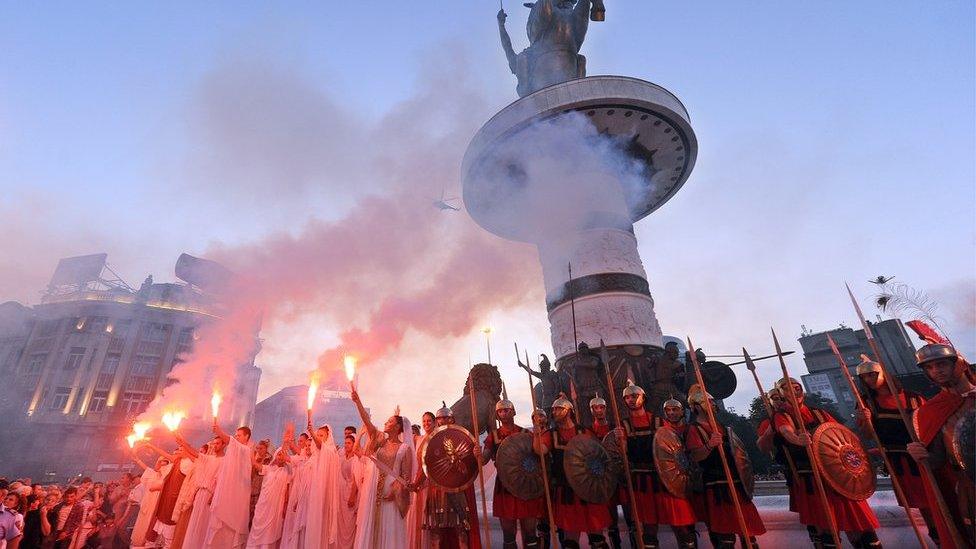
(672, 463)
(964, 443)
(742, 462)
(612, 447)
(589, 470)
(843, 461)
(448, 458)
(518, 466)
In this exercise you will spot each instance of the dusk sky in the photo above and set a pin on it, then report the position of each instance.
(836, 143)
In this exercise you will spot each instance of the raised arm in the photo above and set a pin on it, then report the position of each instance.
(160, 451)
(218, 432)
(506, 40)
(312, 435)
(190, 450)
(364, 415)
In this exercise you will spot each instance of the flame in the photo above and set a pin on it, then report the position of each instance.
(131, 439)
(349, 362)
(172, 419)
(313, 387)
(215, 403)
(139, 431)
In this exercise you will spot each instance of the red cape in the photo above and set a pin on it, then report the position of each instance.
(932, 415)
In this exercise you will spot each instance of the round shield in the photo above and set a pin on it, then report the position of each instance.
(589, 470)
(612, 447)
(843, 461)
(742, 462)
(671, 462)
(518, 466)
(447, 455)
(964, 443)
(720, 381)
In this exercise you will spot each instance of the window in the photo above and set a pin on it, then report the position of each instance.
(157, 333)
(185, 343)
(60, 398)
(35, 363)
(144, 365)
(135, 403)
(139, 383)
(74, 358)
(104, 380)
(111, 364)
(97, 403)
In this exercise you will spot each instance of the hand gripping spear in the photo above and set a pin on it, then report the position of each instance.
(481, 472)
(923, 465)
(895, 483)
(605, 359)
(802, 429)
(769, 412)
(707, 404)
(553, 536)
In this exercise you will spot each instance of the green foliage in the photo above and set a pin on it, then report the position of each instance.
(746, 430)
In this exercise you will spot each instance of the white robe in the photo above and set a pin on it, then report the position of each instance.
(230, 509)
(147, 506)
(268, 515)
(352, 476)
(323, 499)
(205, 475)
(379, 523)
(296, 516)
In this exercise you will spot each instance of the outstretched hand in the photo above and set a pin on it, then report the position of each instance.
(502, 16)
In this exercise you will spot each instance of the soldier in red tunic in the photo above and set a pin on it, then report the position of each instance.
(601, 428)
(882, 414)
(573, 515)
(717, 508)
(935, 423)
(655, 505)
(511, 511)
(855, 518)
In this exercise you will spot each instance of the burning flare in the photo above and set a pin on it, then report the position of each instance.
(349, 362)
(313, 387)
(139, 431)
(172, 419)
(215, 404)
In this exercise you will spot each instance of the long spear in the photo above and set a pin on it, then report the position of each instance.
(802, 429)
(751, 365)
(923, 465)
(605, 359)
(553, 536)
(481, 471)
(707, 404)
(572, 375)
(895, 483)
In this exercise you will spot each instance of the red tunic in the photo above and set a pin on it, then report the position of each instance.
(655, 505)
(572, 513)
(504, 504)
(601, 430)
(715, 507)
(894, 437)
(851, 515)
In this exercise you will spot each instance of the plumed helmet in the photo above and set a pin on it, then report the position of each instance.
(935, 351)
(672, 403)
(697, 395)
(444, 411)
(505, 404)
(867, 365)
(597, 400)
(562, 402)
(632, 389)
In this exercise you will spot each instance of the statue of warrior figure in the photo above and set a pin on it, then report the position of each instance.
(556, 29)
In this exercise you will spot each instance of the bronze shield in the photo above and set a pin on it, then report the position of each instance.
(672, 462)
(843, 462)
(518, 466)
(589, 470)
(964, 443)
(743, 464)
(448, 458)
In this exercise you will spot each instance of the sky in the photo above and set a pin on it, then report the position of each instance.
(836, 143)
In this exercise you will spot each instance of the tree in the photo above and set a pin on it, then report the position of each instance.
(746, 431)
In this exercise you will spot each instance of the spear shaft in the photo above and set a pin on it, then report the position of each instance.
(481, 472)
(895, 483)
(707, 405)
(909, 426)
(802, 429)
(769, 411)
(553, 535)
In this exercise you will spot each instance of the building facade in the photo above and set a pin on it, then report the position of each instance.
(825, 377)
(87, 360)
(288, 405)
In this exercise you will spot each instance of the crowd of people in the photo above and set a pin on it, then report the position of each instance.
(367, 489)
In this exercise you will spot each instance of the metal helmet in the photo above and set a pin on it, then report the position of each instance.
(672, 403)
(781, 384)
(540, 412)
(697, 395)
(597, 400)
(562, 402)
(935, 351)
(444, 411)
(867, 365)
(773, 392)
(504, 404)
(632, 389)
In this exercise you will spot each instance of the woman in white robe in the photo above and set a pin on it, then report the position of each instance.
(268, 512)
(151, 478)
(231, 501)
(205, 475)
(323, 499)
(351, 469)
(384, 498)
(296, 515)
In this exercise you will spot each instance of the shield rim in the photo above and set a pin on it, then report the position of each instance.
(542, 488)
(734, 440)
(597, 442)
(657, 466)
(423, 456)
(957, 448)
(838, 487)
